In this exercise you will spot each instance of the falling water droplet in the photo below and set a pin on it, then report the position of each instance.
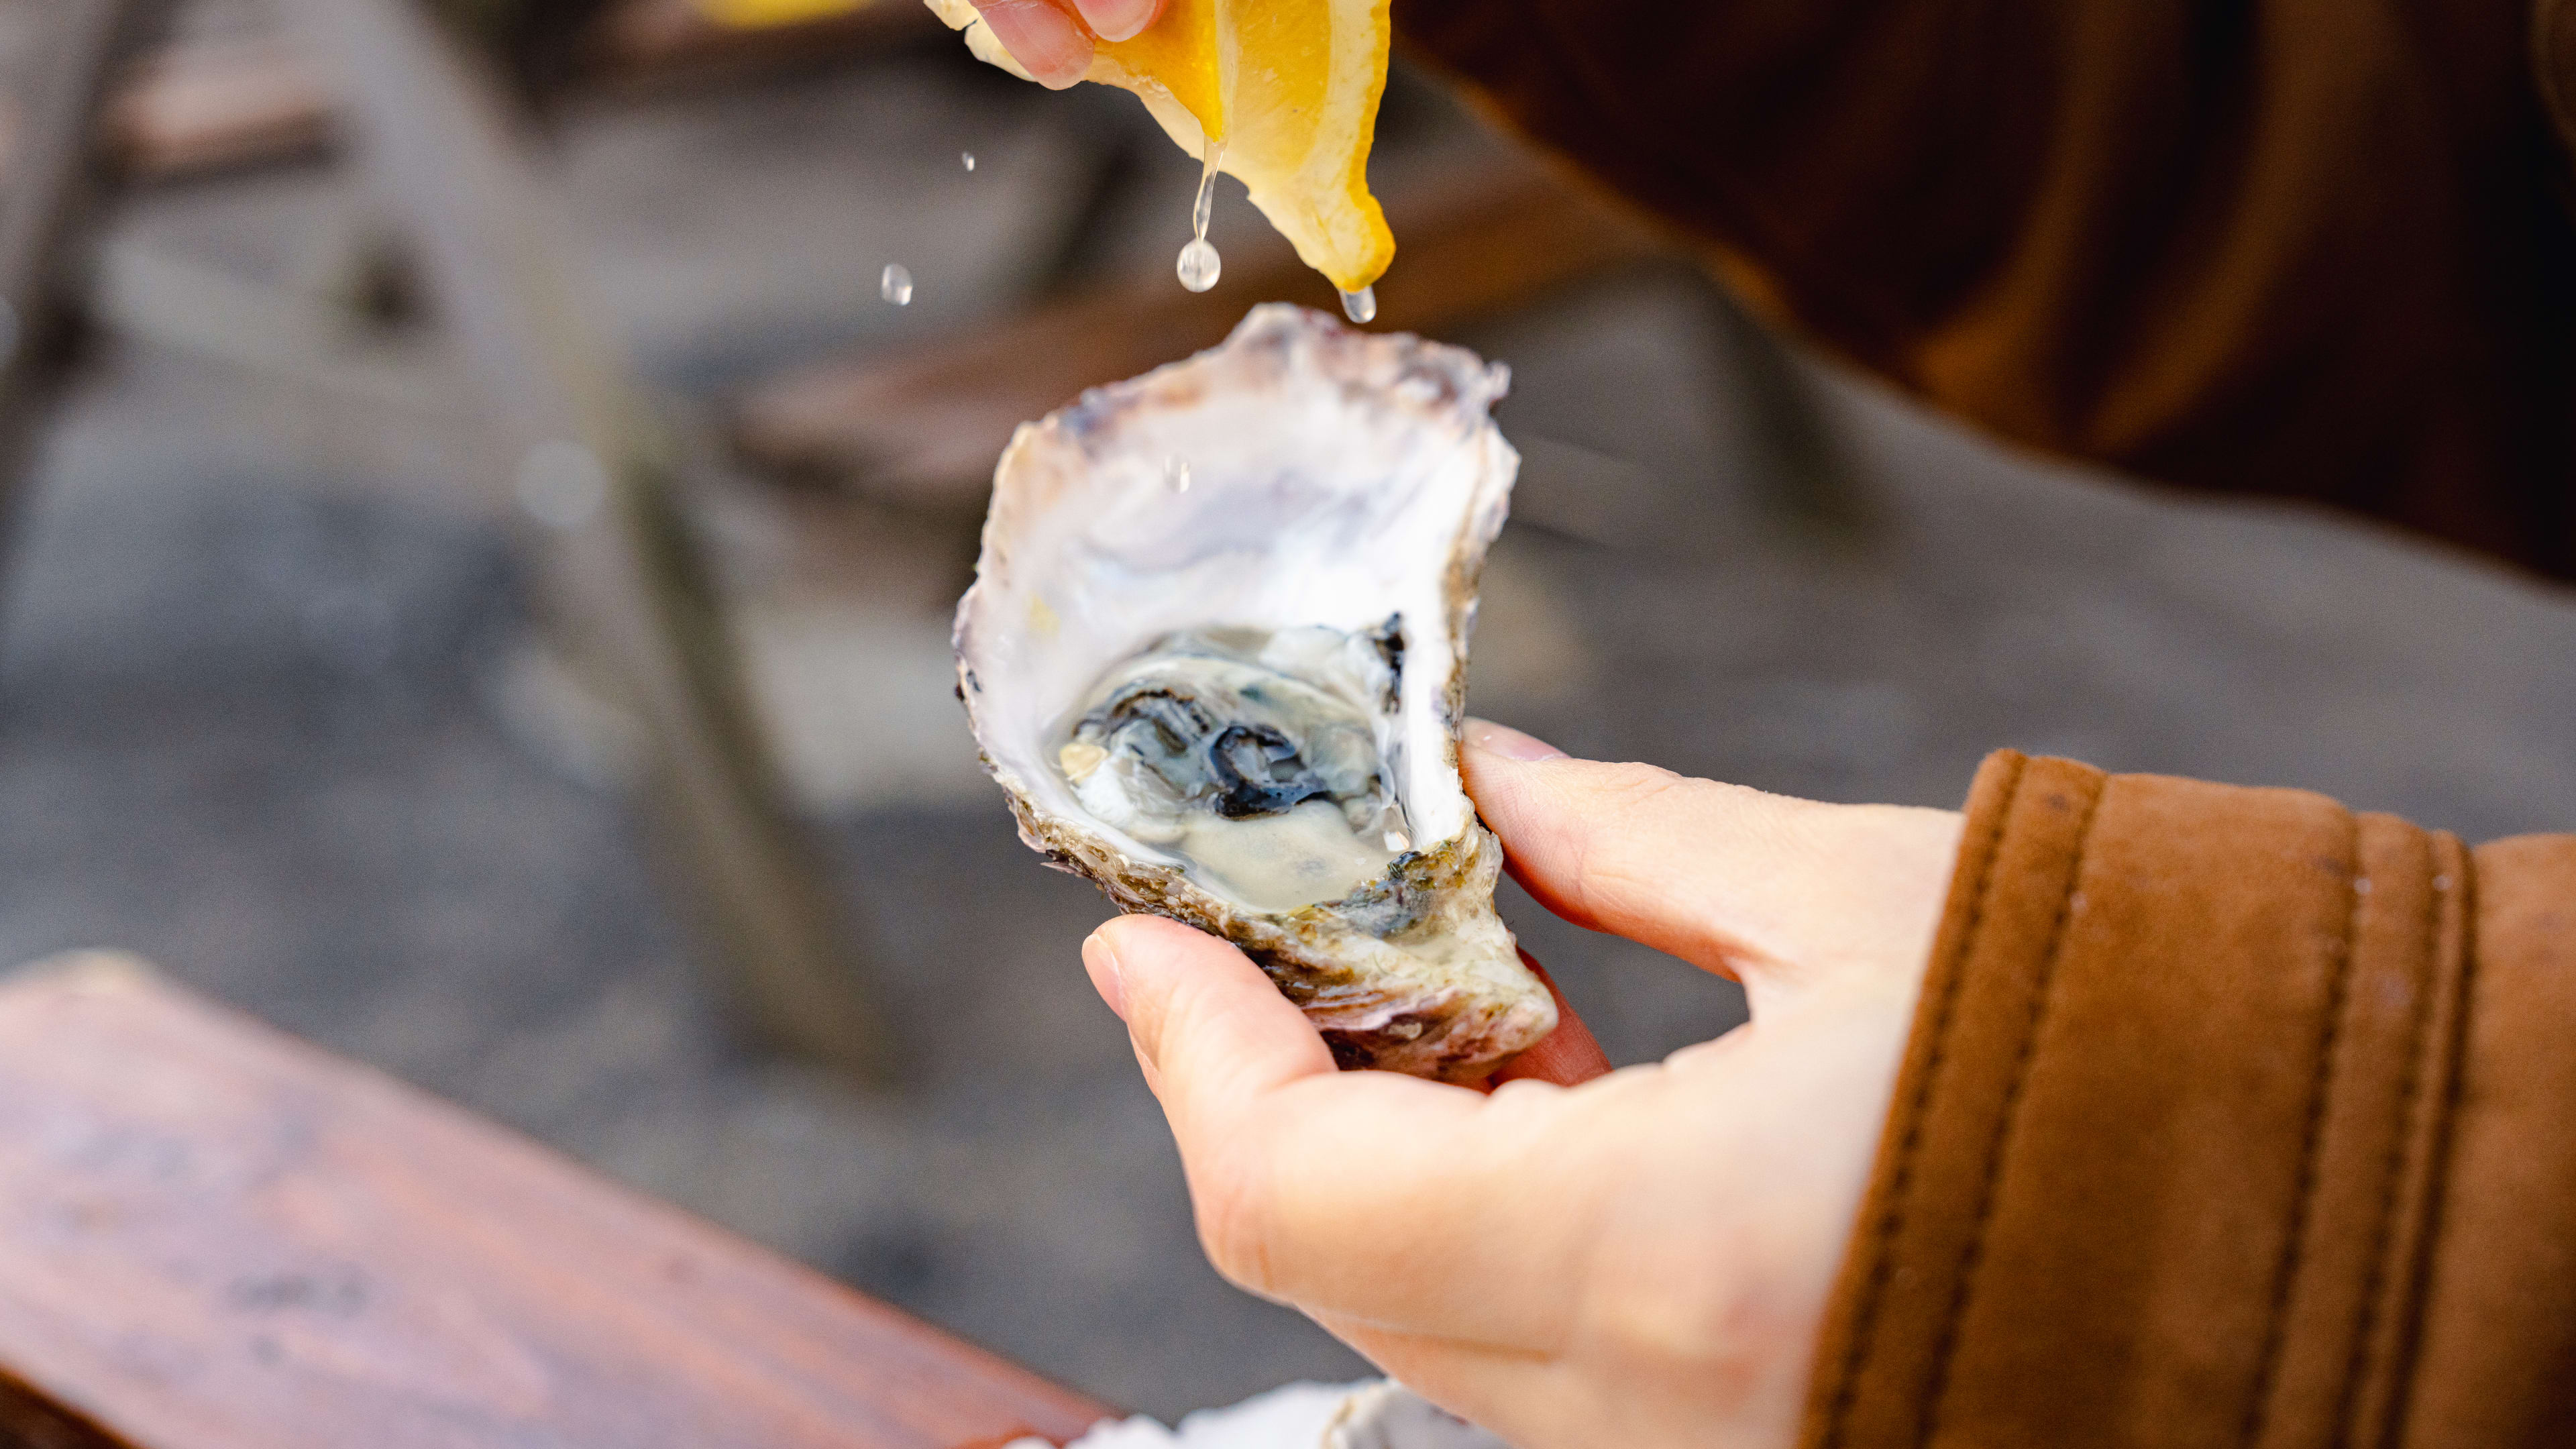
(968, 157)
(562, 483)
(1176, 472)
(895, 285)
(1360, 306)
(1200, 266)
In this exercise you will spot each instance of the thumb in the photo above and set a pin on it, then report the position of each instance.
(1772, 890)
(1116, 20)
(1209, 1028)
(1042, 36)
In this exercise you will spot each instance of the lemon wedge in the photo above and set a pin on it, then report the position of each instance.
(1288, 88)
(764, 14)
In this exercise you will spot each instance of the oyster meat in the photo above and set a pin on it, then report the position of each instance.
(1216, 653)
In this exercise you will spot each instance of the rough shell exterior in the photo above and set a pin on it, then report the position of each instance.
(1066, 498)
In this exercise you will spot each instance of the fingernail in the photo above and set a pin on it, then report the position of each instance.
(1043, 39)
(1102, 963)
(1509, 743)
(1117, 19)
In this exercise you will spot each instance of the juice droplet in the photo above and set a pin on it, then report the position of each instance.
(895, 285)
(1204, 206)
(1176, 472)
(1200, 266)
(1360, 306)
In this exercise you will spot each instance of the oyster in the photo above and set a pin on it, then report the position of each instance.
(1216, 653)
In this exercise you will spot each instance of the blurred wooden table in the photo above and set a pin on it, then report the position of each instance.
(213, 1236)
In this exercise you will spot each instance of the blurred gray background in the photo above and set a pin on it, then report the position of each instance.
(270, 714)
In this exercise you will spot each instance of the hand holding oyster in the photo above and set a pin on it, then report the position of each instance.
(1216, 653)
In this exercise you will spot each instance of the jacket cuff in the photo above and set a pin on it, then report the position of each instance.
(2162, 1159)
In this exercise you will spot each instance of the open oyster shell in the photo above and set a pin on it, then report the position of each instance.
(1216, 653)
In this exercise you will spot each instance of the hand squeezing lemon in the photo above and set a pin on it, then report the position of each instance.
(1281, 94)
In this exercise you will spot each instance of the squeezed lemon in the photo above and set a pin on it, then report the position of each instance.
(762, 14)
(1288, 88)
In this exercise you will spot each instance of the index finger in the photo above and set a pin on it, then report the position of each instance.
(1363, 1195)
(1766, 888)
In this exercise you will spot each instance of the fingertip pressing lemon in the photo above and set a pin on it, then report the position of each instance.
(1288, 88)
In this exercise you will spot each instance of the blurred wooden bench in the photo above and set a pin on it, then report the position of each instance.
(213, 1236)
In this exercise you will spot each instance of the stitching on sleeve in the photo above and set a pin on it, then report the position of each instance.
(2400, 1149)
(2276, 1330)
(1946, 1346)
(1900, 1181)
(2461, 866)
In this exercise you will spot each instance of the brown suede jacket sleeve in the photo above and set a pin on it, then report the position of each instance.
(2310, 248)
(2230, 1117)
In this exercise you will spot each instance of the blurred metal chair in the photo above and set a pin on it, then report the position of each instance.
(615, 571)
(51, 179)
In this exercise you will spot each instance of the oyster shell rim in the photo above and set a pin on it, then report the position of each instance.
(1461, 1026)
